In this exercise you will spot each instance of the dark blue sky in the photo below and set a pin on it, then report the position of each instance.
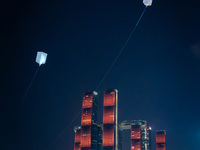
(157, 75)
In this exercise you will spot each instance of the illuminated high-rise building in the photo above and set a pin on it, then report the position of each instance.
(92, 136)
(160, 140)
(90, 130)
(96, 138)
(110, 120)
(136, 137)
(77, 142)
(140, 134)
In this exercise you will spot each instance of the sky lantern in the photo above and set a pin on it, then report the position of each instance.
(147, 2)
(41, 58)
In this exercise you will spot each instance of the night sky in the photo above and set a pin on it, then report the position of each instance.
(157, 75)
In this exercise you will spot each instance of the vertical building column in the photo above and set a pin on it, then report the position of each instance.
(110, 120)
(77, 142)
(148, 141)
(135, 137)
(88, 118)
(160, 140)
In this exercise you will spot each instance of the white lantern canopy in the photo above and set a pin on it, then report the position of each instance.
(41, 58)
(147, 2)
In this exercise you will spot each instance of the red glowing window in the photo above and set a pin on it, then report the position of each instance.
(108, 115)
(109, 98)
(108, 135)
(135, 132)
(87, 101)
(160, 137)
(86, 136)
(78, 136)
(86, 117)
(135, 145)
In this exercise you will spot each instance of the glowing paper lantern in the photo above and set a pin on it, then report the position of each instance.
(41, 58)
(147, 2)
